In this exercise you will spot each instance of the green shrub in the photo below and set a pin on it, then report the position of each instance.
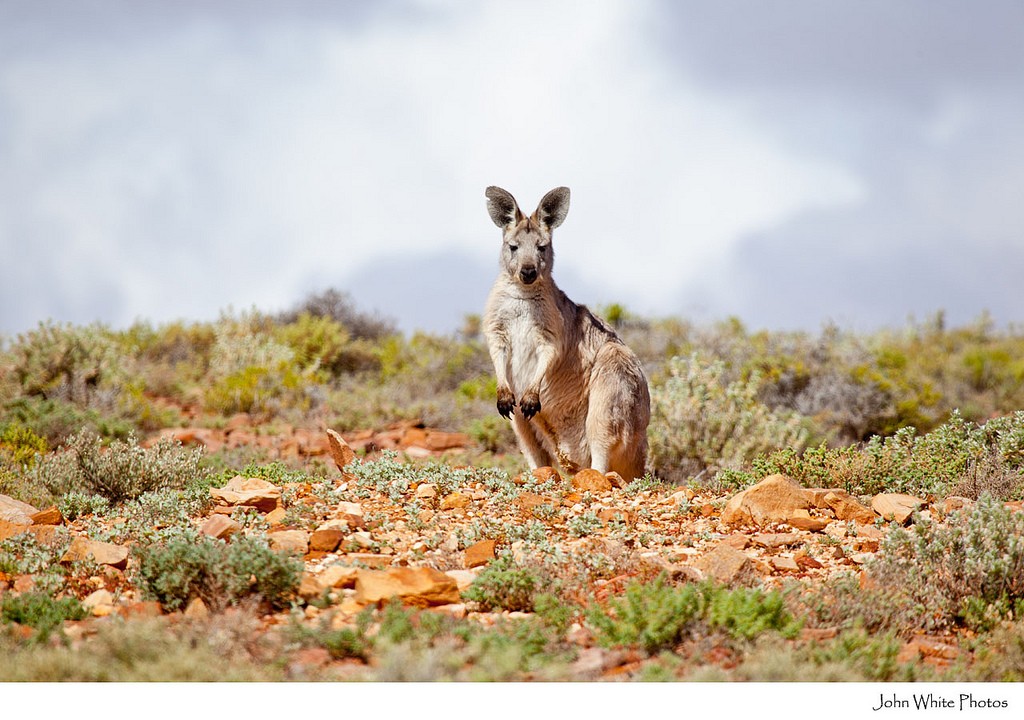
(188, 565)
(699, 423)
(653, 616)
(40, 611)
(21, 444)
(124, 471)
(65, 361)
(958, 457)
(656, 616)
(969, 570)
(504, 586)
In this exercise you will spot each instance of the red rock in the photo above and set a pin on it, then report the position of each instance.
(373, 560)
(292, 541)
(773, 500)
(351, 513)
(248, 492)
(726, 564)
(480, 553)
(896, 506)
(785, 564)
(342, 454)
(847, 507)
(545, 474)
(775, 540)
(220, 527)
(103, 553)
(454, 500)
(339, 576)
(49, 516)
(10, 529)
(803, 521)
(326, 538)
(46, 534)
(420, 587)
(590, 480)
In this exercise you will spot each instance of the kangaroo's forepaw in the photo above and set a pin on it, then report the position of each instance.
(530, 405)
(506, 402)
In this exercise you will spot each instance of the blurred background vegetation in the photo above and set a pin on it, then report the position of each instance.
(723, 395)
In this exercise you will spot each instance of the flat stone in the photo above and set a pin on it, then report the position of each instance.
(291, 541)
(896, 506)
(220, 527)
(9, 529)
(47, 534)
(463, 578)
(453, 501)
(480, 553)
(726, 564)
(311, 587)
(785, 564)
(100, 552)
(339, 576)
(16, 511)
(248, 492)
(590, 480)
(419, 587)
(99, 603)
(49, 516)
(847, 507)
(775, 540)
(373, 560)
(352, 513)
(326, 538)
(803, 521)
(426, 491)
(773, 500)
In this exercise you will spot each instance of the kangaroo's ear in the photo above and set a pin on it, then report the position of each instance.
(502, 207)
(553, 208)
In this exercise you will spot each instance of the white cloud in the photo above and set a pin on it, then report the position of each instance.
(210, 163)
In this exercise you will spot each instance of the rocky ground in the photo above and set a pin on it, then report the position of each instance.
(425, 541)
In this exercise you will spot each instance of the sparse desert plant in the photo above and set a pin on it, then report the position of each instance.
(657, 616)
(505, 586)
(700, 424)
(188, 565)
(958, 457)
(40, 611)
(968, 570)
(123, 471)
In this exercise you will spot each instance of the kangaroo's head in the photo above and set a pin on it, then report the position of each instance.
(526, 253)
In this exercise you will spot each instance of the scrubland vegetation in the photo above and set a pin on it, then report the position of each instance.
(926, 410)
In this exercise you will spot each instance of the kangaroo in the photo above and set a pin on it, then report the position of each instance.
(582, 394)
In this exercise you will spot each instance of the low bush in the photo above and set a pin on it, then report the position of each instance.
(189, 565)
(40, 611)
(123, 471)
(966, 571)
(504, 586)
(656, 616)
(701, 424)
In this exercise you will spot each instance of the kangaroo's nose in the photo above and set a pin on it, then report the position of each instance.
(528, 274)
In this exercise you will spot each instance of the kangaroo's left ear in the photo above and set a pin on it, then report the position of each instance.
(553, 208)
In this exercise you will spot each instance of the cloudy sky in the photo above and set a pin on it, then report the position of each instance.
(791, 163)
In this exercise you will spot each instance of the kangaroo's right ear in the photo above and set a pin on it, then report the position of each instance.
(502, 207)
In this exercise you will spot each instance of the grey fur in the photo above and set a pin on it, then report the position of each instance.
(582, 395)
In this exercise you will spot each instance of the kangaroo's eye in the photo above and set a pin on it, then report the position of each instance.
(542, 248)
(513, 248)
